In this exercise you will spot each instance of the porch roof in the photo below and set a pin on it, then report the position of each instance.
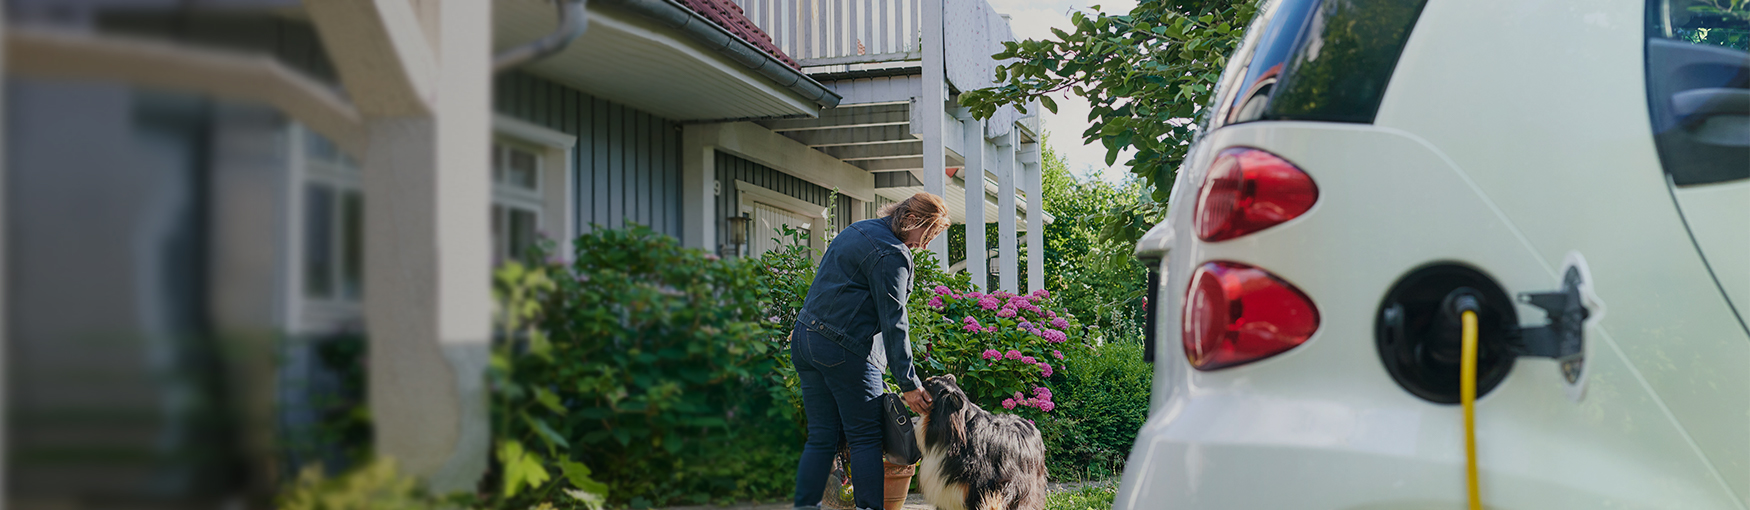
(661, 57)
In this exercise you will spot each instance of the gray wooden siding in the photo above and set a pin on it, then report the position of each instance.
(627, 163)
(731, 169)
(873, 209)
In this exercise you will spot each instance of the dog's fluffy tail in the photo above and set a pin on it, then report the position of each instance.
(1027, 489)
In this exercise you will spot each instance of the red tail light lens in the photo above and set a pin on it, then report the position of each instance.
(1237, 314)
(1248, 190)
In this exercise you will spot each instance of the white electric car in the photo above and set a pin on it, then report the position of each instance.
(1579, 167)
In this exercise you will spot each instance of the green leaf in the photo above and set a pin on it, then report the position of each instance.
(539, 345)
(578, 475)
(549, 400)
(546, 432)
(1049, 103)
(521, 468)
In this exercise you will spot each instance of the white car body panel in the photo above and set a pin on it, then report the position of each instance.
(1718, 216)
(1476, 157)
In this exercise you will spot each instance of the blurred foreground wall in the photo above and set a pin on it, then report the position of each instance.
(159, 353)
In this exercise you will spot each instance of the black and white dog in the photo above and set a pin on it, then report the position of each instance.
(976, 460)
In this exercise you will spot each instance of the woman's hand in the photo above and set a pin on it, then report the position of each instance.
(918, 401)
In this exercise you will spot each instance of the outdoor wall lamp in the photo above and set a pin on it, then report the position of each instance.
(738, 232)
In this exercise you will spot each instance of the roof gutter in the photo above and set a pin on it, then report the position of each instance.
(671, 14)
(573, 20)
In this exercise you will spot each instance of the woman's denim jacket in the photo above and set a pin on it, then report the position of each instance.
(860, 289)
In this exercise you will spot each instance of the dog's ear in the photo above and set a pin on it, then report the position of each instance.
(951, 379)
(948, 416)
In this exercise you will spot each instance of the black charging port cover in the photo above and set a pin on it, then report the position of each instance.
(1419, 339)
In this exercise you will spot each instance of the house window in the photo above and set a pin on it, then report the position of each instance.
(333, 217)
(516, 199)
(768, 223)
(771, 211)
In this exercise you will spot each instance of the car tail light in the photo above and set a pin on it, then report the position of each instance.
(1236, 314)
(1248, 190)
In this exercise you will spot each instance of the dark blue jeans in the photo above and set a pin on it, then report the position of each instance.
(841, 395)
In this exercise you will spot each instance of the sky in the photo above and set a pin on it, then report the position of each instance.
(1034, 19)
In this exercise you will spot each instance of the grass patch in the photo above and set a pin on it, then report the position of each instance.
(1086, 498)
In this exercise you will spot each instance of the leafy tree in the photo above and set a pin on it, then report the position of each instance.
(1095, 277)
(1147, 74)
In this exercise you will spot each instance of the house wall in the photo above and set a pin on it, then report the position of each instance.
(627, 163)
(731, 168)
(111, 255)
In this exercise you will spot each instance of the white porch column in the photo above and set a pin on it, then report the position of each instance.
(420, 73)
(973, 145)
(859, 212)
(929, 112)
(1007, 251)
(1030, 183)
(700, 190)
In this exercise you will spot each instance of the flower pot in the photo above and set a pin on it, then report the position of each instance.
(897, 478)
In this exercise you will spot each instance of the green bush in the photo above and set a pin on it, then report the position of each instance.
(644, 366)
(1093, 497)
(375, 485)
(1104, 396)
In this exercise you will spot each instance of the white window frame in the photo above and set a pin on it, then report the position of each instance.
(342, 175)
(747, 193)
(552, 200)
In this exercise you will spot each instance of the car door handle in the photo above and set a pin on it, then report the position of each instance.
(1696, 104)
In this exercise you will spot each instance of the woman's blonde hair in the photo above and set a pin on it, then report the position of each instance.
(923, 210)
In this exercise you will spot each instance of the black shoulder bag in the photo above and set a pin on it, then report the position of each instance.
(898, 436)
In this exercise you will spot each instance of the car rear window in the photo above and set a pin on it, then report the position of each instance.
(1317, 60)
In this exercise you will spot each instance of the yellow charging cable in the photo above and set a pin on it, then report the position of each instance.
(1467, 396)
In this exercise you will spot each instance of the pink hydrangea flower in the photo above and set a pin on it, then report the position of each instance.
(1042, 392)
(1032, 402)
(1055, 336)
(992, 354)
(990, 329)
(1057, 354)
(1012, 354)
(1019, 396)
(943, 290)
(1006, 312)
(1050, 314)
(974, 294)
(936, 302)
(1008, 403)
(988, 303)
(1047, 406)
(969, 320)
(971, 327)
(1042, 293)
(1045, 369)
(1029, 360)
(1059, 323)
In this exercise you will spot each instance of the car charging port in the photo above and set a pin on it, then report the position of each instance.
(1419, 333)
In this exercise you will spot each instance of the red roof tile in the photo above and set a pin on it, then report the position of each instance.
(729, 16)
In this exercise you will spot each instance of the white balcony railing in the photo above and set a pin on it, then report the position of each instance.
(833, 32)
